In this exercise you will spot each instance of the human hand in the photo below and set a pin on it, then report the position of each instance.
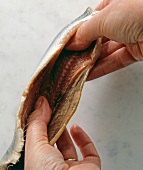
(121, 24)
(40, 155)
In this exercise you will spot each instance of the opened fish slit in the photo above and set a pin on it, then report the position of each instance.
(55, 86)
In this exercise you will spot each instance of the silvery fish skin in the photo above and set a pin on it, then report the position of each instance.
(65, 107)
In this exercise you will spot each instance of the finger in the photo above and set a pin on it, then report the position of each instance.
(66, 146)
(89, 31)
(102, 4)
(117, 60)
(38, 153)
(84, 143)
(110, 47)
(136, 50)
(37, 123)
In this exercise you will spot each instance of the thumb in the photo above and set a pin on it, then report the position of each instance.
(37, 123)
(88, 31)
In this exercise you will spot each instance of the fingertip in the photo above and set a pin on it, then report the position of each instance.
(42, 110)
(83, 142)
(75, 130)
(76, 45)
(95, 73)
(39, 102)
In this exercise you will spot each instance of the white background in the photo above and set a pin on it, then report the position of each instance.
(110, 110)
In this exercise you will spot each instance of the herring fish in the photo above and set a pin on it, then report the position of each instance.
(59, 77)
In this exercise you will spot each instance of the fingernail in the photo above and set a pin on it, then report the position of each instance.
(38, 103)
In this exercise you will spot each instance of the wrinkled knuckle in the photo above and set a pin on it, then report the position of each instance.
(134, 30)
(139, 34)
(127, 33)
(137, 28)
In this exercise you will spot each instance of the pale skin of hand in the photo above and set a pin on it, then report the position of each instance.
(120, 24)
(39, 155)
